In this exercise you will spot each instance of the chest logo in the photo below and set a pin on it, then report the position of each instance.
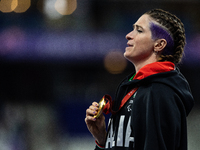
(129, 108)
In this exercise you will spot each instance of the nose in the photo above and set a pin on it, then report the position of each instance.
(129, 36)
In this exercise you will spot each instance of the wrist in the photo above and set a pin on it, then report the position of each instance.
(100, 146)
(101, 140)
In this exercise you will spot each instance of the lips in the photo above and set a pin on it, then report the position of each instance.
(130, 45)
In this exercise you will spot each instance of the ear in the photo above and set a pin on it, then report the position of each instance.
(159, 45)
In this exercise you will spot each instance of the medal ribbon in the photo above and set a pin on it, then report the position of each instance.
(108, 107)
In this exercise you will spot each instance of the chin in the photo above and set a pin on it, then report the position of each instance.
(126, 55)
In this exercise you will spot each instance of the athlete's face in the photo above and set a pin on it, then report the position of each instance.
(140, 44)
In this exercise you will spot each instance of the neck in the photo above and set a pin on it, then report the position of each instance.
(139, 65)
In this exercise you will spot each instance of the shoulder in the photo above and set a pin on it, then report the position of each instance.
(155, 88)
(157, 94)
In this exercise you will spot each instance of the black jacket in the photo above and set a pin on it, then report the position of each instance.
(154, 118)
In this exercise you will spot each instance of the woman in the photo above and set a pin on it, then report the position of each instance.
(150, 107)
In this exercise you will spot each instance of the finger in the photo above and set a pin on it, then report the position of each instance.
(92, 107)
(89, 118)
(95, 104)
(91, 112)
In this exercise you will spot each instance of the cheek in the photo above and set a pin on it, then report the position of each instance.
(146, 44)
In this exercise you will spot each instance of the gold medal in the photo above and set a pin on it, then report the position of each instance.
(102, 103)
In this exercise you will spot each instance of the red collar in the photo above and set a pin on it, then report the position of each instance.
(154, 68)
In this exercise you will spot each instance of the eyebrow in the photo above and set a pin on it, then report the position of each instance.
(137, 26)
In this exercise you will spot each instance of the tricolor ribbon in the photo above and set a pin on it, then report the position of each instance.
(108, 107)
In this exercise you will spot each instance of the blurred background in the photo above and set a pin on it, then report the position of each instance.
(58, 56)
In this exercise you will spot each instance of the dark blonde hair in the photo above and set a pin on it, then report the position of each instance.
(176, 28)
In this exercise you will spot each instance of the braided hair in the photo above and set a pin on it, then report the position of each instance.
(176, 29)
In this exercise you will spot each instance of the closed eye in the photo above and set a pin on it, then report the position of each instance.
(140, 31)
(138, 28)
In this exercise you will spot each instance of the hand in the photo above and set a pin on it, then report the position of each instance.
(96, 126)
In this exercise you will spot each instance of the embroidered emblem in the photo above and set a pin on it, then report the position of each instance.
(129, 108)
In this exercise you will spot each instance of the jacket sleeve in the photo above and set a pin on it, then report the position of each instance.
(158, 119)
